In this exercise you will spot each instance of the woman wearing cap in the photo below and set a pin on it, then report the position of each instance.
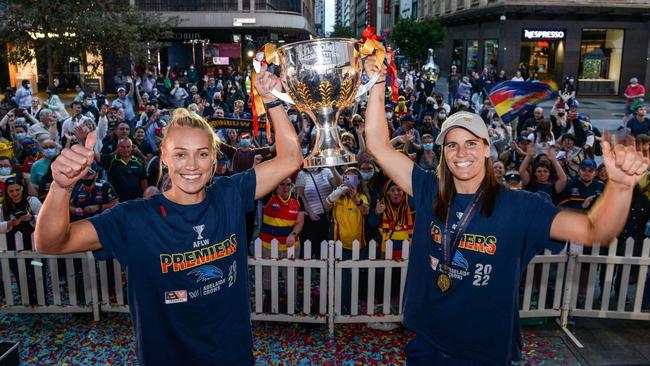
(472, 238)
(185, 249)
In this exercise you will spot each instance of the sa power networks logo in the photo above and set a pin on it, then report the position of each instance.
(174, 297)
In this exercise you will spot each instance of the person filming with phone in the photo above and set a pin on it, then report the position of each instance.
(350, 206)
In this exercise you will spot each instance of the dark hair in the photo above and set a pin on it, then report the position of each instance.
(9, 205)
(447, 188)
(24, 82)
(544, 131)
(76, 102)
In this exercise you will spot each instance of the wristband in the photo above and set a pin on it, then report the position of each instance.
(272, 104)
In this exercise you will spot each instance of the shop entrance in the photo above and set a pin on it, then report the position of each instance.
(538, 59)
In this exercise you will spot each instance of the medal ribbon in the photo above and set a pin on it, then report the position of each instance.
(447, 255)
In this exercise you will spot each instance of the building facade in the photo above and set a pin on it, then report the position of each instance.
(601, 43)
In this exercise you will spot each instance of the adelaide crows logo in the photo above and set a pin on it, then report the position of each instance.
(206, 273)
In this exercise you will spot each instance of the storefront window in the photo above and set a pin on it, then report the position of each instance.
(457, 56)
(472, 55)
(601, 56)
(490, 53)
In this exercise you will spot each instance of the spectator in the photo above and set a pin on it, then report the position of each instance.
(350, 206)
(394, 217)
(313, 186)
(35, 108)
(40, 167)
(570, 156)
(24, 95)
(529, 125)
(582, 190)
(19, 211)
(548, 175)
(55, 104)
(91, 195)
(633, 92)
(125, 172)
(283, 221)
(453, 82)
(640, 124)
(518, 76)
(126, 102)
(499, 171)
(71, 124)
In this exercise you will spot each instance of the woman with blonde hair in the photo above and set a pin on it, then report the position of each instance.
(185, 248)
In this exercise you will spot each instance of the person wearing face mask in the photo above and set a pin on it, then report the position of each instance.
(426, 158)
(30, 154)
(24, 95)
(7, 171)
(39, 168)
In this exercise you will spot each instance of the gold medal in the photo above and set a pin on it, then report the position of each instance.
(444, 282)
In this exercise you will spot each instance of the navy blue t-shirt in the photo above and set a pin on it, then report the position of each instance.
(187, 273)
(477, 317)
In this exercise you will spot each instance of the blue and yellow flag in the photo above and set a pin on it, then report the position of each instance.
(509, 98)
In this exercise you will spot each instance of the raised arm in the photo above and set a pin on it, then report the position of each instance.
(562, 179)
(288, 157)
(523, 168)
(625, 168)
(54, 233)
(394, 164)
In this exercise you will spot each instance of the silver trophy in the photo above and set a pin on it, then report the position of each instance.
(322, 77)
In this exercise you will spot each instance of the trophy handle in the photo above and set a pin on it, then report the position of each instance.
(283, 97)
(363, 89)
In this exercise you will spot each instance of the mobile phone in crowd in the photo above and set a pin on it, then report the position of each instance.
(20, 214)
(351, 181)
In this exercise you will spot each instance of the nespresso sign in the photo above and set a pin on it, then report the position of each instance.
(542, 34)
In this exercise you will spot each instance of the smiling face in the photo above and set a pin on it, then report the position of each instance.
(189, 157)
(465, 156)
(15, 192)
(499, 169)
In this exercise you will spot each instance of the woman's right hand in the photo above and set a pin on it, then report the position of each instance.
(73, 163)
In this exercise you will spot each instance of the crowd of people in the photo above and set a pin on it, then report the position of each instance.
(550, 152)
(553, 152)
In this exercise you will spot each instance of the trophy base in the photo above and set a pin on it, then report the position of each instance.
(324, 161)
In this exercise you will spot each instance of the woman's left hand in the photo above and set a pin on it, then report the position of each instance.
(26, 217)
(625, 165)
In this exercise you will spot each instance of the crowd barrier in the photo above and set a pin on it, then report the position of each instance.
(330, 289)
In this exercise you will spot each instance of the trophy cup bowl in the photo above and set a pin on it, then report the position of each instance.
(322, 77)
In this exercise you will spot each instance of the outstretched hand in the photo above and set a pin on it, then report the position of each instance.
(73, 163)
(625, 165)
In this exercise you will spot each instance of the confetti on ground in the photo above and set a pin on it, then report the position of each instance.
(75, 339)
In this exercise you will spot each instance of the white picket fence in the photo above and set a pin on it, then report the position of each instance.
(315, 289)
